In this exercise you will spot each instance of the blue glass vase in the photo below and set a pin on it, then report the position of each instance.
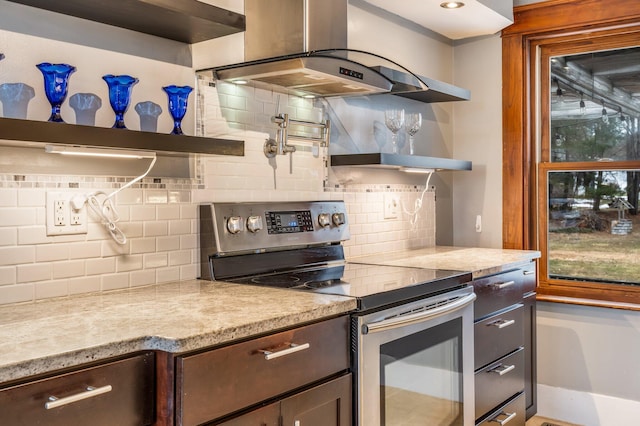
(120, 87)
(56, 84)
(178, 96)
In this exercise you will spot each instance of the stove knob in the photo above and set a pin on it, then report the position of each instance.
(254, 223)
(324, 219)
(234, 224)
(338, 219)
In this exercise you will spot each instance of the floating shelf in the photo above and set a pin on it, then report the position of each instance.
(398, 161)
(187, 21)
(45, 132)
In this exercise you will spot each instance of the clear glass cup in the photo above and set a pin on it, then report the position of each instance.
(394, 120)
(412, 124)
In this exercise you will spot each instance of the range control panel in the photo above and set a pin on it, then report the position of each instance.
(228, 228)
(287, 222)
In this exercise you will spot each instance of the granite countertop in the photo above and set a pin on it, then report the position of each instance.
(180, 317)
(479, 261)
(177, 317)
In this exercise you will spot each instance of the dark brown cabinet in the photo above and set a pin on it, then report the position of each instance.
(119, 392)
(296, 369)
(505, 347)
(328, 404)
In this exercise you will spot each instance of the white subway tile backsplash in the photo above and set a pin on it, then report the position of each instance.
(17, 255)
(142, 245)
(83, 285)
(129, 263)
(143, 277)
(31, 198)
(156, 197)
(34, 272)
(17, 293)
(143, 212)
(165, 275)
(8, 197)
(85, 250)
(116, 281)
(8, 236)
(155, 229)
(168, 212)
(17, 216)
(100, 266)
(28, 235)
(51, 252)
(155, 260)
(179, 257)
(68, 269)
(168, 243)
(49, 289)
(8, 275)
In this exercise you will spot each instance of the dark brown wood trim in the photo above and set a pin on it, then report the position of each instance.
(565, 15)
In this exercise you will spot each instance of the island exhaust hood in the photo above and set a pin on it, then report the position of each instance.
(300, 47)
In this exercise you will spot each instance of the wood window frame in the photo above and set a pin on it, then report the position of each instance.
(535, 25)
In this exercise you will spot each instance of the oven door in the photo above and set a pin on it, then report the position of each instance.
(414, 362)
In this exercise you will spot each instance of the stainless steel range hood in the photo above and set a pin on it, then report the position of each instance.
(300, 47)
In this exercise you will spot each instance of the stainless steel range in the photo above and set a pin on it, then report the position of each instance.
(412, 335)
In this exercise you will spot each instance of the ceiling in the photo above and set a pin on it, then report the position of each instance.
(610, 77)
(476, 18)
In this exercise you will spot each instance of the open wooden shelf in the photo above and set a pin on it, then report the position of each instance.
(187, 21)
(72, 134)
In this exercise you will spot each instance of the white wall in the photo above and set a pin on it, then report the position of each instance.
(478, 136)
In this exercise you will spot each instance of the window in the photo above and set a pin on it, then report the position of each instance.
(579, 151)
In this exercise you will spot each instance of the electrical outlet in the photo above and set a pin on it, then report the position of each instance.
(63, 217)
(478, 223)
(391, 205)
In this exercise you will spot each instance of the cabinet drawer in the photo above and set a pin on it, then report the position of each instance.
(499, 381)
(221, 381)
(510, 414)
(123, 395)
(500, 291)
(498, 335)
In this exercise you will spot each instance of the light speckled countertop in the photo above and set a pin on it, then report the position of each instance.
(45, 336)
(479, 261)
(179, 317)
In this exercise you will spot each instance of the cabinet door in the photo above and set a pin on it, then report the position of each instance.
(328, 404)
(265, 416)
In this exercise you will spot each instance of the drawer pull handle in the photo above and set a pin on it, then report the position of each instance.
(502, 323)
(502, 369)
(503, 285)
(510, 416)
(268, 355)
(55, 402)
(528, 272)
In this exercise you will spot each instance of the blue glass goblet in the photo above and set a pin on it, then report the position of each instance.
(56, 84)
(178, 96)
(120, 87)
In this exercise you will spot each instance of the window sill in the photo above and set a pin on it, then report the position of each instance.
(587, 302)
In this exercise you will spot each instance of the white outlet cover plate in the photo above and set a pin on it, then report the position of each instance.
(391, 206)
(66, 228)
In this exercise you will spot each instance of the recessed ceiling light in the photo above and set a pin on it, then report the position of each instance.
(452, 4)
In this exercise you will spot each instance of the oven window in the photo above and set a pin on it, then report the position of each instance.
(421, 377)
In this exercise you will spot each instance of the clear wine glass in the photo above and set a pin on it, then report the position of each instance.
(394, 120)
(412, 124)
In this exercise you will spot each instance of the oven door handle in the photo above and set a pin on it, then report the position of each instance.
(412, 318)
